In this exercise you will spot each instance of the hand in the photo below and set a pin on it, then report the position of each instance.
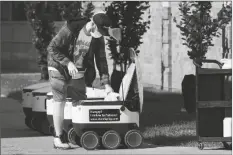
(72, 69)
(108, 89)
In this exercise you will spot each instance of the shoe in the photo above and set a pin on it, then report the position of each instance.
(58, 144)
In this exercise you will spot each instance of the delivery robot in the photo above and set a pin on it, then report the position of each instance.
(27, 100)
(69, 134)
(108, 124)
(39, 120)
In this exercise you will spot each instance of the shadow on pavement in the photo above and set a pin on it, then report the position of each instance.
(12, 120)
(223, 149)
(145, 145)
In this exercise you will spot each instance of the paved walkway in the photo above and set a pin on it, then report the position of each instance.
(18, 139)
(43, 145)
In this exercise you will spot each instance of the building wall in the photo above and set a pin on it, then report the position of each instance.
(19, 55)
(154, 49)
(17, 52)
(6, 13)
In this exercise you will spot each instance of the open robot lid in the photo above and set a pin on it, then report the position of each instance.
(129, 78)
(135, 58)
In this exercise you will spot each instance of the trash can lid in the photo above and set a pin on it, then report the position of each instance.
(41, 91)
(32, 87)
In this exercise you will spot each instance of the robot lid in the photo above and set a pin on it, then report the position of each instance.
(42, 91)
(35, 86)
(128, 79)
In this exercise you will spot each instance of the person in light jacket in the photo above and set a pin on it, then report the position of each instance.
(73, 66)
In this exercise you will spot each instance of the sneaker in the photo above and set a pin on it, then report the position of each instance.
(58, 144)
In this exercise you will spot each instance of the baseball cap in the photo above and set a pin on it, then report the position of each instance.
(104, 25)
(102, 22)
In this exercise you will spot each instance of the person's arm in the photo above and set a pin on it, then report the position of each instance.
(101, 61)
(60, 40)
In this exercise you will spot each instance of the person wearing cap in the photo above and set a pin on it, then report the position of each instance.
(71, 68)
(90, 45)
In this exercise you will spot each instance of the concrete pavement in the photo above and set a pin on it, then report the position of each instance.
(18, 139)
(43, 145)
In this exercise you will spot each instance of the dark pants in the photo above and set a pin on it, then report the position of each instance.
(116, 80)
